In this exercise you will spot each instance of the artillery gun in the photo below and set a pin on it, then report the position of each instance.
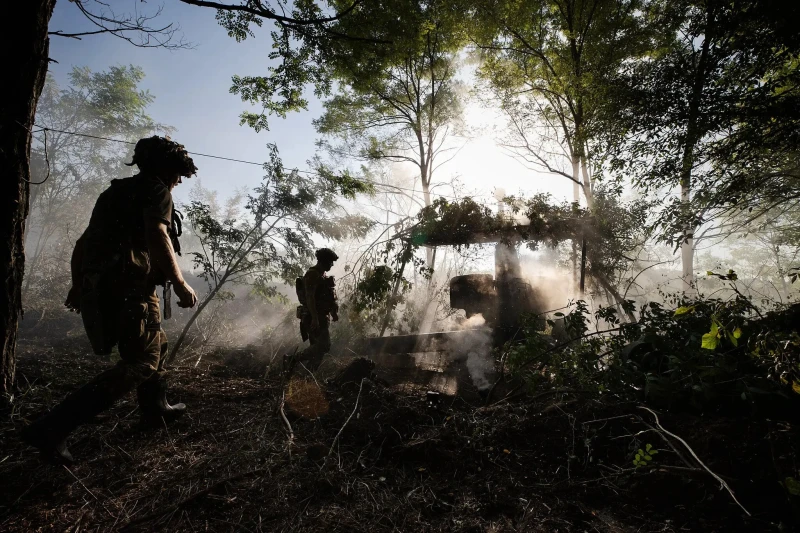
(503, 299)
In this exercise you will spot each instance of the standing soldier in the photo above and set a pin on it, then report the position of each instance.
(317, 295)
(128, 249)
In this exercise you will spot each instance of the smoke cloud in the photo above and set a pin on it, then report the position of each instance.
(476, 346)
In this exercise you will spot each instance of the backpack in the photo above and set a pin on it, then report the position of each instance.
(300, 289)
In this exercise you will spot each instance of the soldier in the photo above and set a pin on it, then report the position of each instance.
(317, 295)
(128, 249)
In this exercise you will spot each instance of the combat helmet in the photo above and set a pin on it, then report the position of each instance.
(162, 153)
(326, 254)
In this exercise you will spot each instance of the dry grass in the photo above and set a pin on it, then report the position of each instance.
(366, 458)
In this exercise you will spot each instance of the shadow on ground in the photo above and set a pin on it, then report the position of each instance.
(381, 457)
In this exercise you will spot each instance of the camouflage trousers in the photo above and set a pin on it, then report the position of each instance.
(320, 340)
(142, 349)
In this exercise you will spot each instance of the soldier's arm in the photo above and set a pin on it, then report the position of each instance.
(162, 257)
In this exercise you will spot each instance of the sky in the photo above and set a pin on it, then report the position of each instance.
(191, 89)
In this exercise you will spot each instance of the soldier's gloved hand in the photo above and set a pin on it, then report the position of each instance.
(73, 301)
(186, 296)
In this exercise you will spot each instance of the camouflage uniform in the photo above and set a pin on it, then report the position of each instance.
(323, 288)
(119, 306)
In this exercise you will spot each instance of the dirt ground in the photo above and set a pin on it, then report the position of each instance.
(255, 453)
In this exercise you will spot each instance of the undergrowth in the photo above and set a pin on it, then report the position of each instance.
(701, 354)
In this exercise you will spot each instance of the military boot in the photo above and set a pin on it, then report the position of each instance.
(152, 395)
(52, 445)
(49, 433)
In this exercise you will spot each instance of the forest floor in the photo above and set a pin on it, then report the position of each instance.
(352, 454)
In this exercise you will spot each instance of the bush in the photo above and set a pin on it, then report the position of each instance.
(698, 354)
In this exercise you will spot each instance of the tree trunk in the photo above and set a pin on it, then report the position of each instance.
(190, 323)
(687, 247)
(776, 251)
(426, 196)
(576, 197)
(388, 313)
(693, 136)
(25, 45)
(588, 186)
(609, 287)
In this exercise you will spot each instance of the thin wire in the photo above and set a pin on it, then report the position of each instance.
(375, 183)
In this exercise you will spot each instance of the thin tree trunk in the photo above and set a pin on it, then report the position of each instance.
(588, 186)
(576, 197)
(426, 195)
(387, 316)
(687, 247)
(776, 251)
(608, 286)
(25, 46)
(693, 135)
(431, 305)
(182, 336)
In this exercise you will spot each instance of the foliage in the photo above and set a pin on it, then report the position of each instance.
(456, 222)
(71, 170)
(702, 353)
(547, 64)
(644, 457)
(379, 289)
(274, 240)
(374, 289)
(398, 103)
(301, 44)
(713, 110)
(611, 230)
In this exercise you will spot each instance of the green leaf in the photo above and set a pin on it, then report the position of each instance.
(711, 339)
(792, 486)
(737, 333)
(796, 387)
(683, 310)
(732, 338)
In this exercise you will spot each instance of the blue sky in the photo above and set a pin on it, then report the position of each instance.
(192, 94)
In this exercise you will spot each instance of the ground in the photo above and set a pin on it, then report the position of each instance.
(256, 453)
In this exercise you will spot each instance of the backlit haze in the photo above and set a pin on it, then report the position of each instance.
(192, 95)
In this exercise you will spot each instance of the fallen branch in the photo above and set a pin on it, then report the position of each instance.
(285, 419)
(669, 443)
(689, 448)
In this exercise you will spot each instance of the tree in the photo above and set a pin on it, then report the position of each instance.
(705, 113)
(25, 44)
(274, 239)
(547, 63)
(25, 54)
(70, 170)
(397, 105)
